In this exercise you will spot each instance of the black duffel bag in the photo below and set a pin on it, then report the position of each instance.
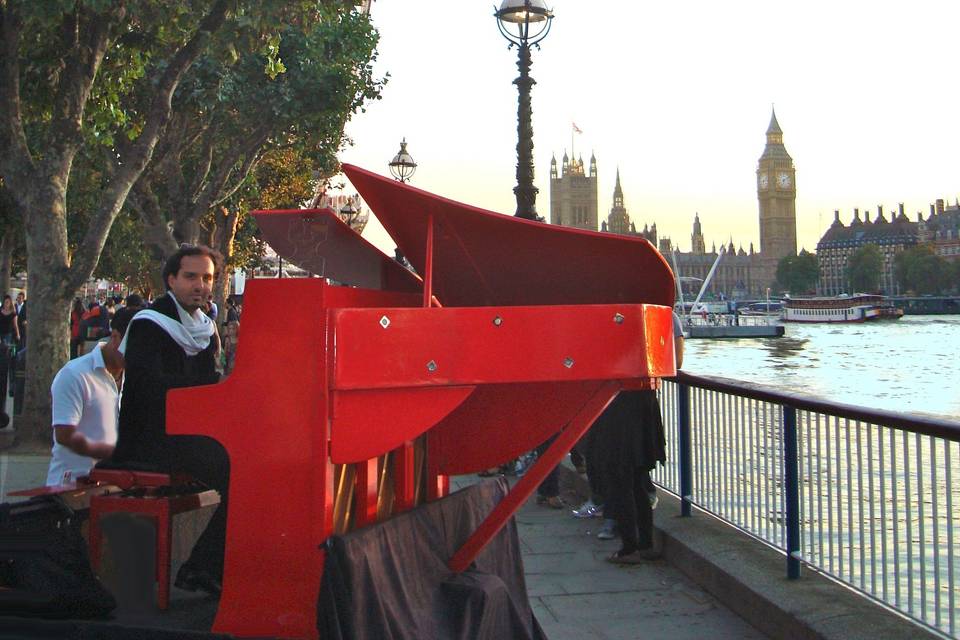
(44, 567)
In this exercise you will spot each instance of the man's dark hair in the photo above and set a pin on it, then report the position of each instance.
(135, 301)
(121, 319)
(172, 267)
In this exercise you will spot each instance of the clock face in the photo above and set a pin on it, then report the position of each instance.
(783, 180)
(763, 181)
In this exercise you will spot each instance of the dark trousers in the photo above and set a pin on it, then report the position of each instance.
(205, 460)
(550, 486)
(628, 498)
(595, 464)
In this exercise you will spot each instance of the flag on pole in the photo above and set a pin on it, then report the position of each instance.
(576, 128)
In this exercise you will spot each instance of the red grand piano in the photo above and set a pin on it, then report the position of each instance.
(349, 403)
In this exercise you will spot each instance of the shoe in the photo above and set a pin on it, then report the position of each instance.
(608, 531)
(554, 502)
(588, 510)
(635, 557)
(190, 579)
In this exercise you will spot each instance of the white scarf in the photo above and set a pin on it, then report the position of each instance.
(192, 333)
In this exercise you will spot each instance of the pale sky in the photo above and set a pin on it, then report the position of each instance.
(678, 96)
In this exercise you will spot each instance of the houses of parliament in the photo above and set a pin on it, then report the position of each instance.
(741, 273)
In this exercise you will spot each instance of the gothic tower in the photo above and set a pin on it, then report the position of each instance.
(618, 221)
(777, 195)
(573, 193)
(697, 245)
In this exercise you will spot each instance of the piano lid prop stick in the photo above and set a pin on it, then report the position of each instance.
(533, 477)
(428, 265)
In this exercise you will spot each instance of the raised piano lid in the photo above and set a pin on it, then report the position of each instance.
(318, 241)
(482, 258)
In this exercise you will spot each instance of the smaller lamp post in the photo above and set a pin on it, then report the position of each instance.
(402, 167)
(353, 215)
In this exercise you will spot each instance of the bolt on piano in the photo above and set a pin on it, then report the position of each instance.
(360, 400)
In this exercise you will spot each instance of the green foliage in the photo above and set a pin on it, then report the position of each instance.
(919, 270)
(864, 268)
(799, 273)
(124, 257)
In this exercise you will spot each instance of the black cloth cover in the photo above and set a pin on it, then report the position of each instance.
(391, 580)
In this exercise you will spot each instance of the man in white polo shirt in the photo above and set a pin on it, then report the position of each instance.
(86, 406)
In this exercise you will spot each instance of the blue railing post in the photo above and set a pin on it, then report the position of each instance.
(686, 449)
(791, 483)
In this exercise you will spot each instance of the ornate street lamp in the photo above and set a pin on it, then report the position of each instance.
(524, 23)
(402, 167)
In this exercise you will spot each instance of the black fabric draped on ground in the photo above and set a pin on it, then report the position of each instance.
(391, 580)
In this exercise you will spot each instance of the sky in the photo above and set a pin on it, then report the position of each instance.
(678, 96)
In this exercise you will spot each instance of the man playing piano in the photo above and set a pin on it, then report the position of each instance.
(173, 345)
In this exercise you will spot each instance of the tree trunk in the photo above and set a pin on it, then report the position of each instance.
(49, 336)
(224, 233)
(6, 260)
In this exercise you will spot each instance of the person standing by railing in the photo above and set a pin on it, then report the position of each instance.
(631, 440)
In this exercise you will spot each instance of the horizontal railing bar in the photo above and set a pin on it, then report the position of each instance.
(936, 427)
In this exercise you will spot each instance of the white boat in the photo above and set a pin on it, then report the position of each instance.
(859, 307)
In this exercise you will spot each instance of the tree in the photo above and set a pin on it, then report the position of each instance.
(864, 268)
(799, 273)
(920, 270)
(228, 114)
(11, 238)
(69, 73)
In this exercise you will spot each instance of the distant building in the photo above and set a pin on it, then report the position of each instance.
(740, 274)
(573, 193)
(941, 230)
(777, 195)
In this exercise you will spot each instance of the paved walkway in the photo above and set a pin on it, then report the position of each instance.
(577, 595)
(574, 592)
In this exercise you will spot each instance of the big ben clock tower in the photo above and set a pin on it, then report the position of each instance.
(777, 195)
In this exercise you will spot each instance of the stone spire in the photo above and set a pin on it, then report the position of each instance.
(618, 192)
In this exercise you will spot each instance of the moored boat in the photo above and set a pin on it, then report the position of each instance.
(859, 307)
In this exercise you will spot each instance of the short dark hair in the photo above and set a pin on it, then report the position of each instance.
(172, 266)
(135, 301)
(121, 319)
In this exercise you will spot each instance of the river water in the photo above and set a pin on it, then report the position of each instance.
(910, 365)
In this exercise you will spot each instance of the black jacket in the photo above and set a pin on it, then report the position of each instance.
(155, 363)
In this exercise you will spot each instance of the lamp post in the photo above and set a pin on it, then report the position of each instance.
(402, 167)
(514, 19)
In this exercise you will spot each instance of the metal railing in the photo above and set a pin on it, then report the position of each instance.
(870, 498)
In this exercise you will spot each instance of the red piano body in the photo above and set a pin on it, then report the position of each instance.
(348, 403)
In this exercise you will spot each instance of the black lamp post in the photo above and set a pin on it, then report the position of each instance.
(515, 18)
(402, 167)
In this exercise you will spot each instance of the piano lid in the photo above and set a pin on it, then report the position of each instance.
(318, 241)
(483, 258)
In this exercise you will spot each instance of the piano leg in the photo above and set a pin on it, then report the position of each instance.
(404, 476)
(533, 477)
(365, 500)
(437, 485)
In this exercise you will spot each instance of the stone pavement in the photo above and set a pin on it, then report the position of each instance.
(577, 595)
(574, 592)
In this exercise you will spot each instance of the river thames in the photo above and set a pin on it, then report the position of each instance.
(910, 365)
